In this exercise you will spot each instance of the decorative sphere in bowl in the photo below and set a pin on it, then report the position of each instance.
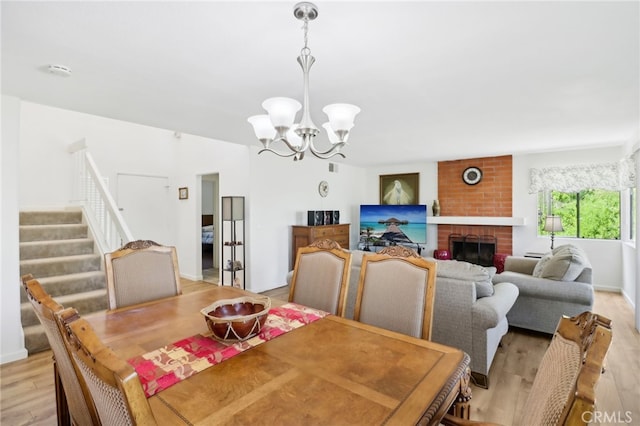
(232, 320)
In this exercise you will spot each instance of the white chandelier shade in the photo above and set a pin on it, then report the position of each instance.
(279, 124)
(282, 112)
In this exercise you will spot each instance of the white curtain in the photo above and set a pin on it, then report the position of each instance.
(608, 176)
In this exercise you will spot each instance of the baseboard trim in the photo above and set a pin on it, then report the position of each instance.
(14, 356)
(191, 277)
(610, 289)
(628, 300)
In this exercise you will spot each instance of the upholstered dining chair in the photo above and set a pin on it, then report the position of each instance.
(81, 410)
(321, 276)
(563, 391)
(112, 382)
(396, 291)
(141, 271)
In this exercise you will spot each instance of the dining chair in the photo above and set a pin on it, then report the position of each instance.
(112, 382)
(141, 271)
(321, 276)
(563, 391)
(396, 291)
(79, 408)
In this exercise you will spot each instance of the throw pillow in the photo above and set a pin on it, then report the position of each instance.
(537, 271)
(466, 271)
(484, 288)
(566, 264)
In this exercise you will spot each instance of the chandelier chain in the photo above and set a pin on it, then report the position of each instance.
(305, 28)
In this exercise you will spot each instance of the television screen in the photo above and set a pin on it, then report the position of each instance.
(384, 225)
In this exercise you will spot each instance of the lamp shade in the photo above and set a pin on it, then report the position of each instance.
(292, 137)
(333, 138)
(262, 127)
(341, 116)
(553, 224)
(282, 111)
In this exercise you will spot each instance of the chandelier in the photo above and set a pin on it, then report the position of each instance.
(279, 124)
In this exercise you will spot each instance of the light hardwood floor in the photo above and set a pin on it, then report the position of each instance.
(27, 393)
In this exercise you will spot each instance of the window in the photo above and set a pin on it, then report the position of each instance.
(592, 213)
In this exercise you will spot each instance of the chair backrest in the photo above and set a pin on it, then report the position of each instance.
(563, 391)
(81, 408)
(141, 271)
(113, 383)
(396, 291)
(321, 276)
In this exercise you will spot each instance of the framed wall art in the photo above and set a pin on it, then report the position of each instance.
(400, 189)
(183, 193)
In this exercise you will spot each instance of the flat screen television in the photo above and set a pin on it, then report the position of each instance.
(385, 225)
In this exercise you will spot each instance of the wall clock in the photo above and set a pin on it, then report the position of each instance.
(472, 175)
(323, 188)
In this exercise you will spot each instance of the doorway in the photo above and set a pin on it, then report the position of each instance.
(210, 227)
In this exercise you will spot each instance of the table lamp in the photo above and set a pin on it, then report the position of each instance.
(553, 224)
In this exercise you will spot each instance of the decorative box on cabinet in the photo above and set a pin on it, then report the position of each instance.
(233, 241)
(305, 235)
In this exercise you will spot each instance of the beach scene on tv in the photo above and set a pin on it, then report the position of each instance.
(386, 225)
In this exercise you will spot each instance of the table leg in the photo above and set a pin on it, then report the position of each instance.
(461, 408)
(62, 408)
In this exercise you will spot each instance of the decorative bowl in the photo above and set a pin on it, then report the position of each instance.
(232, 320)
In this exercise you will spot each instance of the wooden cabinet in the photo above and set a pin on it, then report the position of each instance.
(305, 235)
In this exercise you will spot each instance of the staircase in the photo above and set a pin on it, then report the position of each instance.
(55, 247)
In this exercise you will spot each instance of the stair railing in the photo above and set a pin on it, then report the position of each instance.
(100, 209)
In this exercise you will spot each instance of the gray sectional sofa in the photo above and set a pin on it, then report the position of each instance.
(470, 312)
(560, 283)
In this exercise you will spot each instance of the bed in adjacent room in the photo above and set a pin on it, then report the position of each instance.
(207, 241)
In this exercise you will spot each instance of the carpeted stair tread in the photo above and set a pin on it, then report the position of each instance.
(55, 248)
(52, 232)
(85, 303)
(35, 339)
(50, 217)
(60, 285)
(64, 265)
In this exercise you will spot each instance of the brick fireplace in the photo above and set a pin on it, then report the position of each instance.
(491, 197)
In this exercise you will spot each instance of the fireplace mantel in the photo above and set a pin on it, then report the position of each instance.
(476, 220)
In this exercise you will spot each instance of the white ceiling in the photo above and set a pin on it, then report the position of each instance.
(435, 80)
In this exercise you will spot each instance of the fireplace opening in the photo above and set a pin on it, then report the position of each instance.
(478, 249)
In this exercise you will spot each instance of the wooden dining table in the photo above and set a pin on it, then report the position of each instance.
(332, 371)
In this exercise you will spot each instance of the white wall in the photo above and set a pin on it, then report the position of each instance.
(194, 156)
(11, 335)
(281, 193)
(207, 196)
(428, 192)
(604, 255)
(278, 192)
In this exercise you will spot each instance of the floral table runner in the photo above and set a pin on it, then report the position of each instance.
(170, 364)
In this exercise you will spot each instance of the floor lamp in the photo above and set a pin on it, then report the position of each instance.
(553, 224)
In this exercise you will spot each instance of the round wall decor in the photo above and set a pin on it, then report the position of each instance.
(323, 188)
(472, 175)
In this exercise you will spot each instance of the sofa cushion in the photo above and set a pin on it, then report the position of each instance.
(537, 271)
(566, 263)
(466, 271)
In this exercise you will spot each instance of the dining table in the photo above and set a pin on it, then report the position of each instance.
(330, 371)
